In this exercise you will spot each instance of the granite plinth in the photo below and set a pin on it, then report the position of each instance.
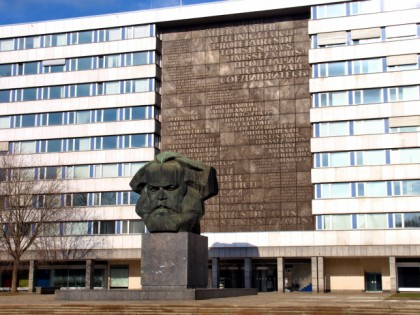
(174, 261)
(149, 295)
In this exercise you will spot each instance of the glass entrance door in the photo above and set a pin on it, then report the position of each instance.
(373, 281)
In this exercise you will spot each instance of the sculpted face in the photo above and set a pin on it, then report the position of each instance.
(166, 188)
(172, 192)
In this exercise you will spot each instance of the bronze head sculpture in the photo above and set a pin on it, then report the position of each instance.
(172, 191)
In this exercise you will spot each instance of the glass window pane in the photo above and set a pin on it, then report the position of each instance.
(375, 157)
(410, 155)
(134, 167)
(341, 222)
(138, 113)
(338, 129)
(369, 126)
(411, 187)
(409, 93)
(114, 34)
(141, 85)
(361, 221)
(113, 61)
(110, 114)
(337, 68)
(4, 96)
(331, 10)
(140, 58)
(375, 189)
(6, 44)
(81, 171)
(411, 220)
(85, 37)
(108, 199)
(110, 170)
(136, 226)
(83, 90)
(84, 63)
(340, 190)
(27, 147)
(28, 120)
(4, 122)
(80, 199)
(82, 144)
(29, 94)
(112, 87)
(134, 197)
(83, 117)
(109, 142)
(138, 141)
(54, 146)
(141, 31)
(372, 96)
(338, 98)
(33, 42)
(56, 92)
(51, 172)
(31, 68)
(339, 159)
(377, 221)
(5, 70)
(55, 119)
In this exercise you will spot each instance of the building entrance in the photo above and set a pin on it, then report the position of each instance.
(264, 275)
(373, 281)
(297, 275)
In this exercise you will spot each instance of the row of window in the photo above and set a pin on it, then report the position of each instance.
(74, 171)
(79, 117)
(354, 37)
(78, 64)
(368, 189)
(361, 7)
(84, 144)
(351, 128)
(364, 66)
(367, 96)
(79, 90)
(368, 221)
(370, 157)
(76, 38)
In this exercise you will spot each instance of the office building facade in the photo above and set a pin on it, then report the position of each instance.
(307, 110)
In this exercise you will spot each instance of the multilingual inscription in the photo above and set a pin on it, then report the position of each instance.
(229, 95)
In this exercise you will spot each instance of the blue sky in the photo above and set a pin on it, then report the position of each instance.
(23, 11)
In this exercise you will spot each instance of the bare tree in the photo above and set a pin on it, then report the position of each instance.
(28, 208)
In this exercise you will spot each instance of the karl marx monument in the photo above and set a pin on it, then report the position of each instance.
(173, 189)
(172, 192)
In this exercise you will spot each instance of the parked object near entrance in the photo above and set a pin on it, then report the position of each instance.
(173, 189)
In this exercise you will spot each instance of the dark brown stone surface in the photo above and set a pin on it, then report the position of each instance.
(236, 96)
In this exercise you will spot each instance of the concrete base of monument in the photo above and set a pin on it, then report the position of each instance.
(149, 294)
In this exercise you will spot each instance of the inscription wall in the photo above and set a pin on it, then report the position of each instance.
(236, 96)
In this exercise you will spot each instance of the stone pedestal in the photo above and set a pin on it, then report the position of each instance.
(174, 261)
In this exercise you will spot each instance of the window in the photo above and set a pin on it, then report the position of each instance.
(55, 92)
(138, 31)
(6, 44)
(140, 58)
(112, 61)
(401, 31)
(336, 190)
(29, 68)
(374, 189)
(5, 70)
(130, 197)
(27, 94)
(112, 87)
(336, 159)
(25, 147)
(334, 129)
(331, 10)
(81, 171)
(367, 66)
(130, 169)
(107, 227)
(106, 170)
(83, 117)
(334, 99)
(83, 90)
(108, 114)
(333, 69)
(49, 172)
(82, 37)
(370, 96)
(409, 155)
(4, 96)
(79, 199)
(112, 34)
(105, 143)
(140, 86)
(30, 42)
(374, 157)
(55, 40)
(76, 228)
(136, 226)
(404, 93)
(4, 122)
(373, 126)
(364, 7)
(85, 63)
(411, 220)
(82, 144)
(411, 187)
(28, 120)
(105, 199)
